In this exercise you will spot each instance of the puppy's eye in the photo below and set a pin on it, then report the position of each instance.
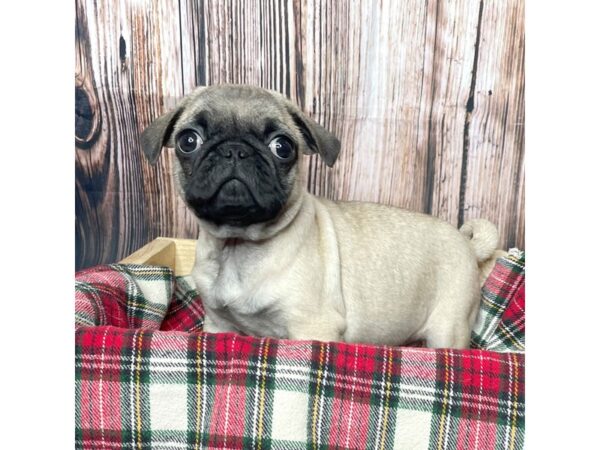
(282, 148)
(189, 141)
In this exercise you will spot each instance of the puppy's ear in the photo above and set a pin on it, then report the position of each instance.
(317, 138)
(158, 133)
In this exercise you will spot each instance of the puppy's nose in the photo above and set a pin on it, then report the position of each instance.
(235, 151)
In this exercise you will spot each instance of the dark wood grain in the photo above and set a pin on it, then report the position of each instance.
(404, 85)
(129, 69)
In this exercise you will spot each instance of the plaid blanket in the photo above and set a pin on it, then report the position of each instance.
(147, 377)
(500, 325)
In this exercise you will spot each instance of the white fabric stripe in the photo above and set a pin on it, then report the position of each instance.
(204, 389)
(322, 399)
(450, 402)
(380, 412)
(131, 391)
(352, 397)
(256, 391)
(510, 396)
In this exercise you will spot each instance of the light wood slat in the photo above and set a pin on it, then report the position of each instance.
(494, 186)
(177, 254)
(159, 252)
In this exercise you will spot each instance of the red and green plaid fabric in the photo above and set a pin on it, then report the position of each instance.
(136, 296)
(500, 325)
(147, 377)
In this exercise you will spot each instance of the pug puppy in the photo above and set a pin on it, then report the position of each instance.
(275, 260)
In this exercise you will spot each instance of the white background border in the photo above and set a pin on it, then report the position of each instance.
(37, 225)
(562, 226)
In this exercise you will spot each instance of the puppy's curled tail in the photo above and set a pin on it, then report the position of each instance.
(483, 237)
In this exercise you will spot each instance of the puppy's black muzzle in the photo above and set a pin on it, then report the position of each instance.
(235, 151)
(232, 184)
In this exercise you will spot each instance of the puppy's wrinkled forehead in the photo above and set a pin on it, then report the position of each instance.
(239, 109)
(229, 110)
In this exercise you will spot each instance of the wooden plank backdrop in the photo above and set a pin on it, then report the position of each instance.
(426, 97)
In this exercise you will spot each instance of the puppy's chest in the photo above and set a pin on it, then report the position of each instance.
(239, 292)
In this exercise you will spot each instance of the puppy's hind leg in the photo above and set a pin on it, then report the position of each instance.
(457, 336)
(451, 324)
